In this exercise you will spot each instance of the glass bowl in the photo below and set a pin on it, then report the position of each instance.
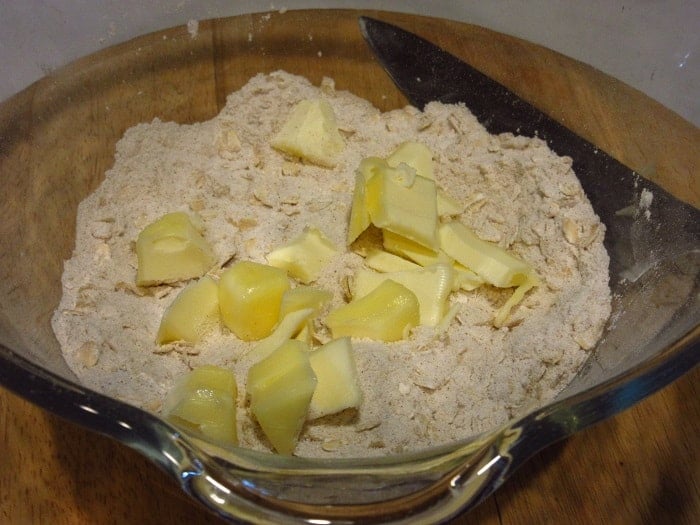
(58, 138)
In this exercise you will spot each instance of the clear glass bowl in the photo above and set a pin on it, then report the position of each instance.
(58, 138)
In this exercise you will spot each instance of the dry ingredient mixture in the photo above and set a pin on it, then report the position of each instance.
(430, 389)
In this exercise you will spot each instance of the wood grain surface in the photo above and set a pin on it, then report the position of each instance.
(641, 466)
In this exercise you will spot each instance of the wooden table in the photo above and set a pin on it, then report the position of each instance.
(642, 466)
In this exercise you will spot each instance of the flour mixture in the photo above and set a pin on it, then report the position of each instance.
(434, 387)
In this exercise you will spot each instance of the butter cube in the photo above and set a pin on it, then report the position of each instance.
(280, 389)
(359, 214)
(488, 260)
(305, 256)
(416, 155)
(338, 385)
(193, 313)
(387, 313)
(250, 297)
(205, 400)
(405, 204)
(432, 287)
(311, 133)
(171, 249)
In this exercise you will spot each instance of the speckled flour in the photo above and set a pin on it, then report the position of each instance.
(428, 390)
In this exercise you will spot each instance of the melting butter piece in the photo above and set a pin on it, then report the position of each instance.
(250, 298)
(305, 256)
(311, 132)
(387, 313)
(280, 389)
(193, 313)
(171, 249)
(205, 400)
(338, 385)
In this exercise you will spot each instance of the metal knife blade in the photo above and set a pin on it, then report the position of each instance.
(424, 72)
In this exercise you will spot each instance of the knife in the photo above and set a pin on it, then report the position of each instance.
(424, 72)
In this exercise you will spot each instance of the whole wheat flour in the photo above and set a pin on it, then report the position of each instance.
(430, 389)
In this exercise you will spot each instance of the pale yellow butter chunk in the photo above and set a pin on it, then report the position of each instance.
(291, 325)
(303, 297)
(370, 166)
(205, 400)
(416, 155)
(432, 287)
(413, 251)
(405, 204)
(172, 249)
(280, 389)
(311, 133)
(386, 314)
(388, 262)
(193, 313)
(306, 333)
(305, 256)
(338, 385)
(488, 260)
(300, 298)
(250, 297)
(359, 214)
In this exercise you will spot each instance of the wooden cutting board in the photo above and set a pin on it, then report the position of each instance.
(639, 467)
